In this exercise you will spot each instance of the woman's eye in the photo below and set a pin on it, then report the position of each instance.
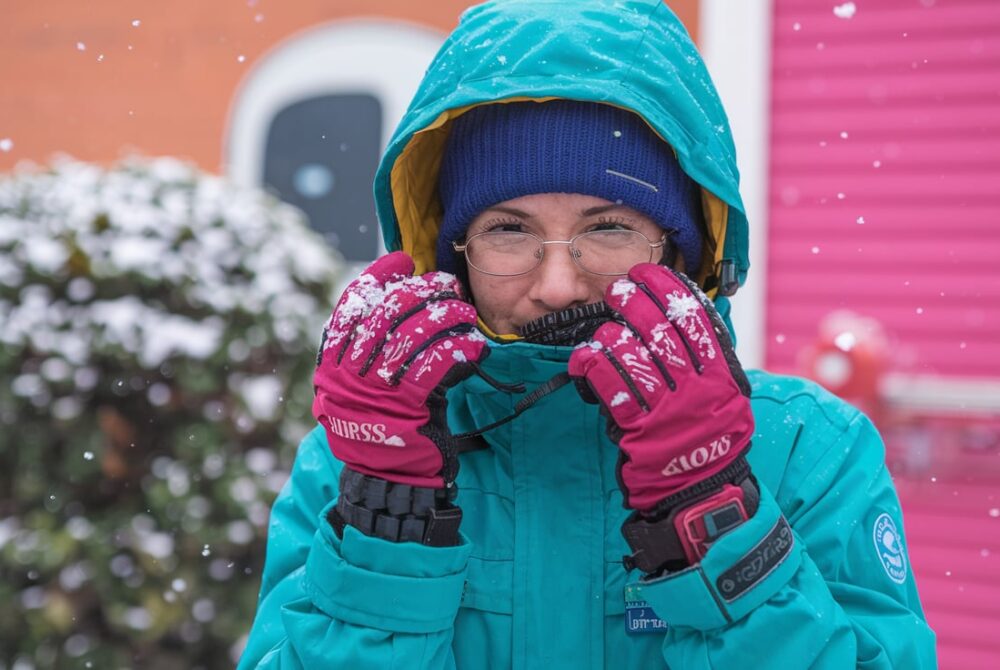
(504, 226)
(611, 224)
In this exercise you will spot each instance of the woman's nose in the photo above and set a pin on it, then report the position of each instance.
(559, 282)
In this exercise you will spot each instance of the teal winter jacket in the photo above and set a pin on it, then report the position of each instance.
(818, 577)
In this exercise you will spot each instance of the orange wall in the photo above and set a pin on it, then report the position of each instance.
(163, 86)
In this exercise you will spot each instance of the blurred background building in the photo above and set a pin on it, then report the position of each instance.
(868, 135)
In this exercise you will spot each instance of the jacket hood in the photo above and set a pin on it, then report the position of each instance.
(634, 54)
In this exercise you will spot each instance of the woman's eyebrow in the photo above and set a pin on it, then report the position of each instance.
(509, 210)
(601, 209)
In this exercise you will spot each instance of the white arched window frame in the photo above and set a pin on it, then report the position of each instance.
(383, 58)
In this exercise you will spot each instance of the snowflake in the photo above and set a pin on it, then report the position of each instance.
(437, 311)
(623, 289)
(620, 398)
(680, 307)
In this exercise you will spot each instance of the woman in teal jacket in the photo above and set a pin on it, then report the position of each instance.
(814, 573)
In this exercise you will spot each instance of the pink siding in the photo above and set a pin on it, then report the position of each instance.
(954, 545)
(915, 85)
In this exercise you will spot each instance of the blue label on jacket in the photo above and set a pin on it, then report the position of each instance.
(639, 616)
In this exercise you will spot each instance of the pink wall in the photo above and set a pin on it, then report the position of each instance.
(884, 200)
(885, 179)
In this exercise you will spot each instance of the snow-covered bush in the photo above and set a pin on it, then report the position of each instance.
(158, 328)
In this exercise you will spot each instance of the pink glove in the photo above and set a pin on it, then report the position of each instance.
(668, 379)
(392, 347)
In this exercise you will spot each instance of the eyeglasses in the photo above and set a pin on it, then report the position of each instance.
(600, 252)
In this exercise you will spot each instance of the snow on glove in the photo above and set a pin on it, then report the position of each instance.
(391, 349)
(676, 397)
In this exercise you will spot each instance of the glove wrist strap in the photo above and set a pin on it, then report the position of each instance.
(396, 512)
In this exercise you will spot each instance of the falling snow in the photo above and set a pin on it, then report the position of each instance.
(845, 11)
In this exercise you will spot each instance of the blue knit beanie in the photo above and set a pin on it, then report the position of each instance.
(498, 152)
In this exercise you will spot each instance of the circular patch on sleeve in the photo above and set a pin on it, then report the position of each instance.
(889, 548)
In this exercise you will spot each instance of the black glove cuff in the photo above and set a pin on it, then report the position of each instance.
(396, 512)
(734, 473)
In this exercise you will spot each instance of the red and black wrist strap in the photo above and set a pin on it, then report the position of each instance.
(678, 532)
(396, 512)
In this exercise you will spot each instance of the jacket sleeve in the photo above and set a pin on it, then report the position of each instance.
(357, 602)
(819, 577)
